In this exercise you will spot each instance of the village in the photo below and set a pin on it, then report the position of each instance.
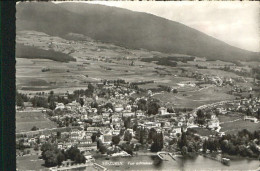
(107, 120)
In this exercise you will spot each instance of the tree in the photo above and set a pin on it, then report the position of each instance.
(39, 101)
(94, 105)
(208, 115)
(60, 158)
(102, 149)
(81, 102)
(152, 108)
(152, 135)
(51, 93)
(80, 158)
(122, 131)
(142, 104)
(127, 122)
(52, 104)
(72, 152)
(50, 158)
(160, 140)
(34, 128)
(212, 145)
(86, 126)
(200, 117)
(253, 147)
(141, 135)
(184, 150)
(157, 144)
(175, 90)
(258, 113)
(127, 136)
(58, 135)
(19, 100)
(135, 125)
(248, 112)
(94, 137)
(127, 147)
(91, 87)
(242, 150)
(47, 146)
(36, 147)
(89, 92)
(170, 110)
(183, 140)
(115, 140)
(205, 146)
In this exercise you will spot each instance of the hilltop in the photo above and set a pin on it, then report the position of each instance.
(126, 28)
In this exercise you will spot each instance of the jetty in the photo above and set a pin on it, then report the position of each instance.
(100, 166)
(224, 161)
(70, 167)
(163, 152)
(78, 166)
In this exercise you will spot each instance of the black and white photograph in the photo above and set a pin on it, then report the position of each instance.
(137, 86)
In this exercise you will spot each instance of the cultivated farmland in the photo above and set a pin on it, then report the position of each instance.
(26, 120)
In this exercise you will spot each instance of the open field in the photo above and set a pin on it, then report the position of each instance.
(232, 123)
(26, 120)
(95, 61)
(234, 127)
(195, 98)
(31, 162)
(30, 78)
(210, 64)
(229, 117)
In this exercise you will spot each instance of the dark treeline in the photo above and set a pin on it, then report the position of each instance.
(21, 98)
(150, 137)
(45, 100)
(168, 61)
(150, 106)
(23, 51)
(53, 156)
(244, 144)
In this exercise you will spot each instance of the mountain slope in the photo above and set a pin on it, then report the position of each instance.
(125, 28)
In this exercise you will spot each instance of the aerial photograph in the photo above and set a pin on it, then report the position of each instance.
(130, 85)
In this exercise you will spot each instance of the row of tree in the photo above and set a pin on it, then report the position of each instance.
(40, 100)
(244, 144)
(202, 117)
(53, 156)
(152, 137)
(151, 106)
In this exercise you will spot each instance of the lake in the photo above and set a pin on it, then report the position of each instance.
(151, 163)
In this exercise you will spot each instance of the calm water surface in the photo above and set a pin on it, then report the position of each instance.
(151, 163)
(181, 163)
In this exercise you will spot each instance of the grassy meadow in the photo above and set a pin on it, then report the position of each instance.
(26, 120)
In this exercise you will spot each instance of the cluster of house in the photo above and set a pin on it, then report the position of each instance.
(239, 89)
(216, 80)
(249, 107)
(108, 122)
(209, 79)
(213, 123)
